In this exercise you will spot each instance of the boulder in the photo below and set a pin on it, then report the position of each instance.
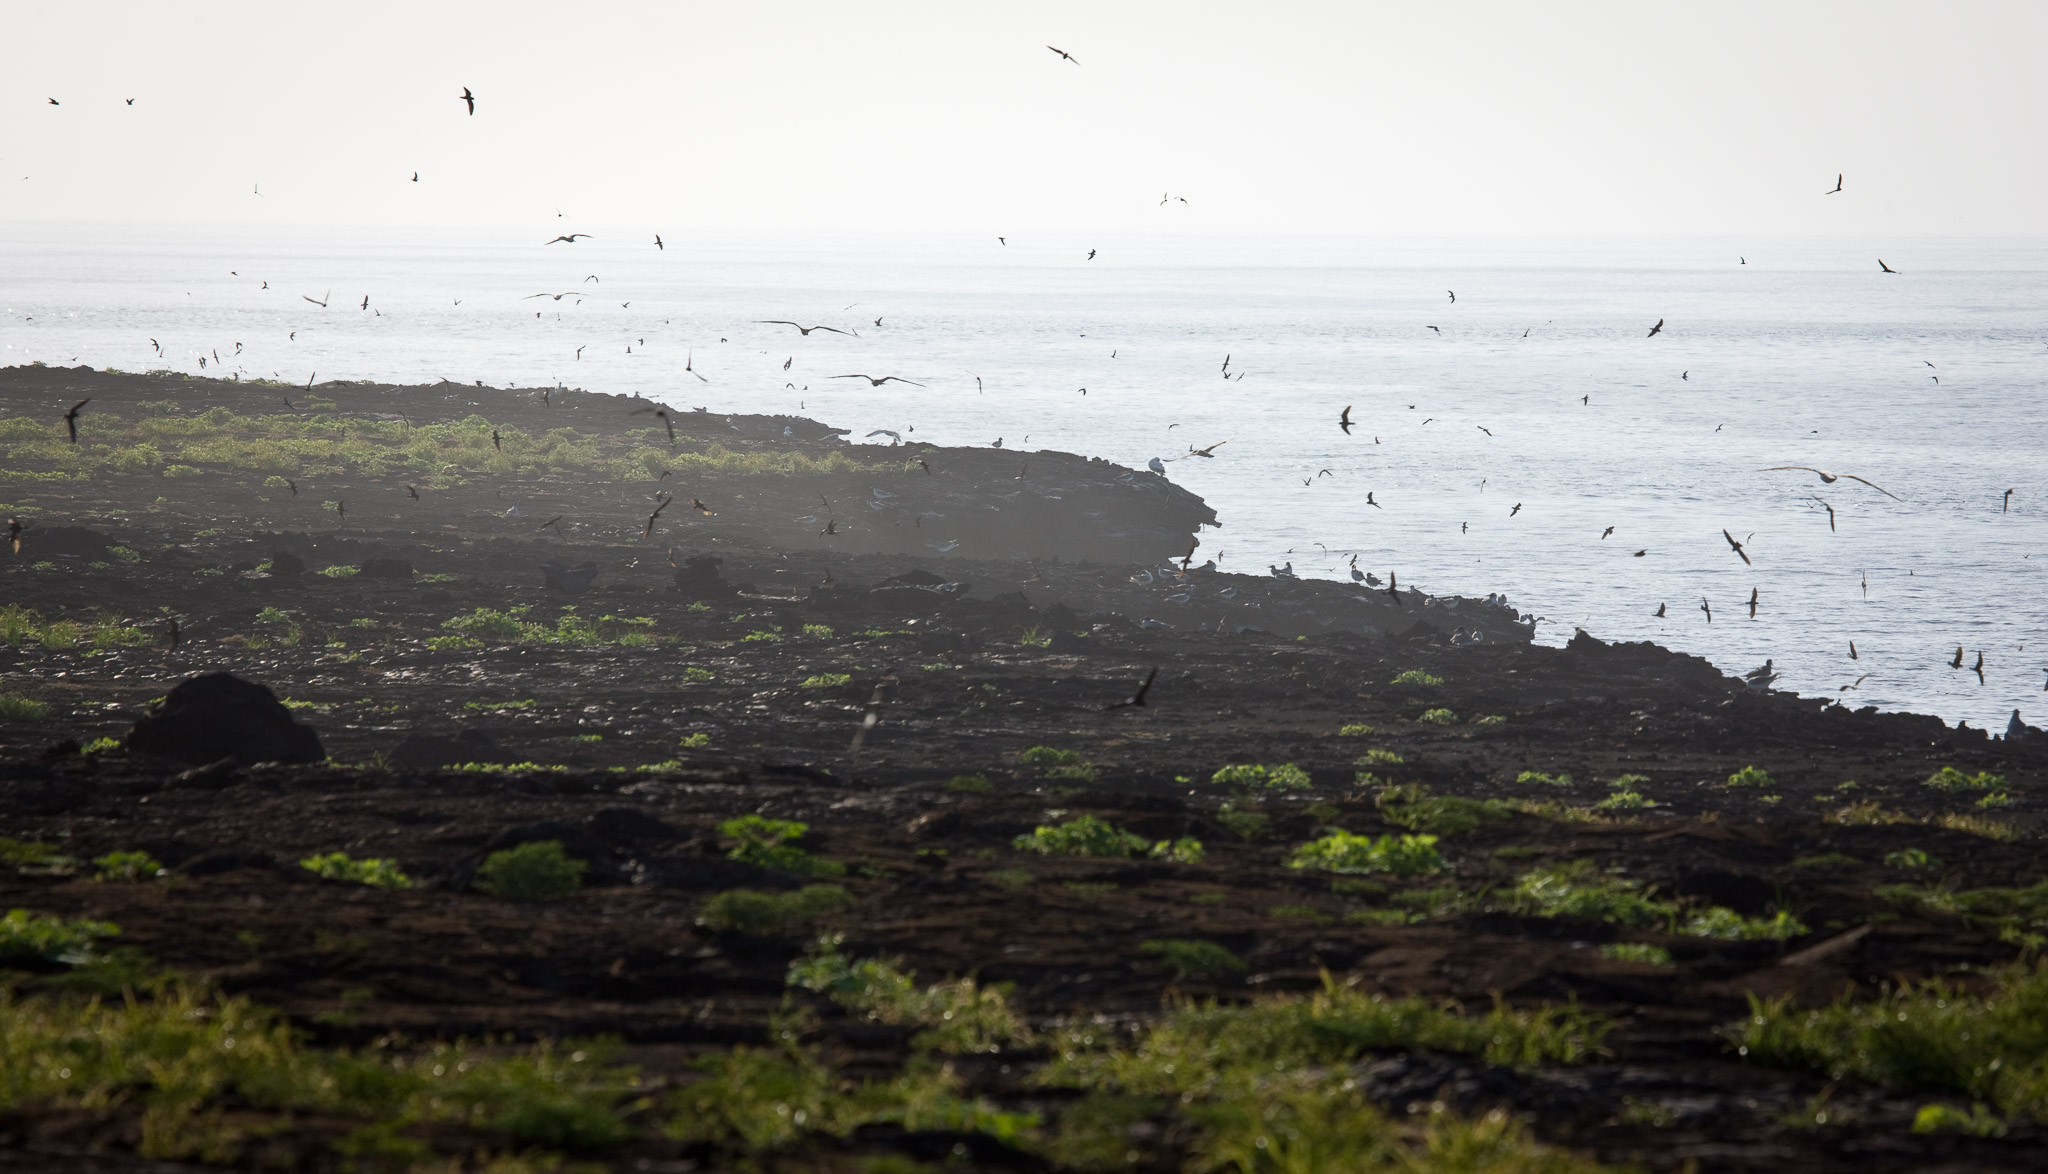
(219, 715)
(698, 578)
(567, 579)
(286, 565)
(429, 751)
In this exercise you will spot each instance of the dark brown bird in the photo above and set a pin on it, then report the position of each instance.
(1737, 547)
(700, 507)
(1605, 533)
(1641, 553)
(71, 418)
(1958, 661)
(927, 468)
(1064, 55)
(831, 527)
(1393, 589)
(1708, 608)
(1658, 328)
(1660, 611)
(803, 330)
(551, 521)
(1979, 668)
(2008, 502)
(1344, 420)
(412, 493)
(1885, 267)
(1752, 603)
(662, 415)
(1138, 698)
(340, 511)
(1838, 186)
(1831, 513)
(874, 382)
(569, 237)
(1852, 651)
(469, 100)
(649, 531)
(1516, 510)
(292, 485)
(495, 442)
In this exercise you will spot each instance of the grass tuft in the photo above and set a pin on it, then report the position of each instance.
(536, 871)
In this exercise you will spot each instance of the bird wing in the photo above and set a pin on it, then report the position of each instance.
(1801, 468)
(833, 329)
(1874, 485)
(870, 379)
(775, 322)
(900, 379)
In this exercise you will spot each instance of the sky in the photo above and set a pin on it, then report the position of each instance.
(1267, 117)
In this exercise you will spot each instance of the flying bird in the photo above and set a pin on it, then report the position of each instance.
(412, 493)
(1828, 478)
(874, 382)
(2008, 502)
(1708, 608)
(658, 246)
(14, 534)
(1343, 420)
(469, 99)
(804, 330)
(1752, 603)
(322, 303)
(415, 177)
(1979, 668)
(1885, 267)
(1062, 52)
(662, 414)
(1831, 513)
(649, 531)
(1516, 510)
(1958, 661)
(1660, 611)
(571, 238)
(1369, 501)
(1852, 651)
(1836, 188)
(1138, 698)
(1737, 547)
(497, 443)
(701, 508)
(55, 102)
(1655, 330)
(1605, 533)
(1438, 329)
(71, 418)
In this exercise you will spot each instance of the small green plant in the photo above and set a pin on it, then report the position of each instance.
(1341, 851)
(1728, 925)
(1625, 800)
(1753, 776)
(751, 911)
(1641, 953)
(1829, 860)
(826, 681)
(375, 871)
(535, 871)
(1379, 756)
(1910, 858)
(1418, 677)
(1010, 879)
(498, 706)
(100, 745)
(769, 843)
(1188, 957)
(1540, 778)
(818, 631)
(697, 741)
(16, 708)
(1081, 836)
(762, 636)
(1050, 756)
(1977, 825)
(1245, 825)
(334, 572)
(697, 675)
(958, 1015)
(1079, 773)
(1355, 730)
(1948, 778)
(31, 853)
(1579, 889)
(1252, 778)
(1980, 1121)
(1411, 806)
(26, 936)
(970, 784)
(1866, 813)
(1438, 717)
(1036, 637)
(1491, 719)
(127, 867)
(1185, 850)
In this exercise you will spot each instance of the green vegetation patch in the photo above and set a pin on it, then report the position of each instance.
(1753, 776)
(1948, 778)
(375, 871)
(535, 871)
(16, 708)
(769, 843)
(1418, 677)
(1083, 835)
(1438, 717)
(1190, 957)
(958, 1015)
(1341, 851)
(1253, 778)
(1579, 889)
(751, 911)
(1412, 806)
(127, 867)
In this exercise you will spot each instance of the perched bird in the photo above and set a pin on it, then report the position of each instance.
(1658, 328)
(71, 418)
(1737, 547)
(469, 100)
(1828, 478)
(803, 330)
(1064, 55)
(1343, 420)
(872, 381)
(1138, 698)
(570, 238)
(1760, 678)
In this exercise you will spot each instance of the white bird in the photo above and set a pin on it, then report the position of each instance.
(1286, 572)
(895, 436)
(1156, 466)
(1760, 678)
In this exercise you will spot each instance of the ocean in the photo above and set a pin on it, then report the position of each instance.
(1490, 454)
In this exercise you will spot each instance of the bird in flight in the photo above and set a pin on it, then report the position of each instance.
(469, 99)
(689, 358)
(1165, 198)
(1343, 421)
(1737, 546)
(415, 177)
(1708, 608)
(71, 418)
(1852, 651)
(1138, 698)
(571, 237)
(412, 493)
(2008, 502)
(1091, 254)
(874, 382)
(662, 414)
(1454, 296)
(1660, 611)
(1836, 188)
(366, 301)
(659, 247)
(131, 101)
(322, 303)
(1958, 661)
(1885, 267)
(1830, 478)
(1654, 330)
(645, 534)
(1062, 52)
(1605, 533)
(701, 508)
(1369, 501)
(1516, 510)
(1831, 513)
(803, 330)
(1979, 668)
(1439, 330)
(55, 102)
(1752, 603)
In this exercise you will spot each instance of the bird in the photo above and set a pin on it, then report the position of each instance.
(1831, 513)
(579, 350)
(292, 485)
(415, 177)
(1484, 428)
(649, 531)
(1159, 467)
(412, 493)
(1454, 296)
(340, 510)
(1091, 254)
(1760, 677)
(1138, 698)
(1708, 608)
(1958, 661)
(687, 360)
(927, 468)
(659, 247)
(2008, 502)
(878, 322)
(55, 102)
(1516, 510)
(14, 534)
(469, 99)
(1852, 651)
(1885, 267)
(570, 238)
(831, 527)
(497, 443)
(1858, 681)
(366, 301)
(1062, 52)
(1828, 478)
(1655, 330)
(804, 330)
(1438, 329)
(1737, 547)
(257, 188)
(1685, 375)
(1836, 188)
(701, 508)
(170, 621)
(1979, 668)
(1369, 501)
(1752, 603)
(551, 521)
(874, 382)
(1394, 589)
(1640, 553)
(71, 418)
(1660, 611)
(1343, 420)
(322, 303)
(1605, 533)
(1002, 242)
(662, 414)
(1209, 452)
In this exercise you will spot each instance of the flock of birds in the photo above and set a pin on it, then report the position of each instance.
(1760, 678)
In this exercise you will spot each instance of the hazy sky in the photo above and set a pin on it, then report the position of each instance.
(1640, 117)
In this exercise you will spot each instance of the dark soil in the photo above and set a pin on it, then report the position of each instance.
(952, 687)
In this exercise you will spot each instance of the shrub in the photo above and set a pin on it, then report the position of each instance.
(818, 631)
(1624, 801)
(1250, 778)
(335, 572)
(536, 871)
(693, 673)
(1340, 851)
(1728, 925)
(1418, 677)
(1977, 825)
(696, 741)
(1491, 719)
(26, 936)
(127, 867)
(970, 784)
(1578, 889)
(1185, 850)
(958, 1015)
(1355, 730)
(827, 681)
(1245, 825)
(1412, 806)
(1548, 780)
(1379, 757)
(766, 842)
(16, 708)
(1438, 717)
(375, 871)
(1752, 776)
(1185, 957)
(1082, 772)
(1866, 813)
(1948, 778)
(1082, 836)
(1639, 952)
(751, 911)
(1049, 756)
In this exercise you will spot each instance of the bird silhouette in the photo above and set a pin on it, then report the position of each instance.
(2008, 502)
(1958, 661)
(1516, 510)
(1836, 188)
(469, 99)
(1660, 611)
(1852, 651)
(1605, 533)
(1885, 267)
(1828, 478)
(1831, 513)
(659, 247)
(1062, 52)
(571, 238)
(1657, 329)
(1979, 668)
(1752, 603)
(649, 531)
(874, 382)
(1708, 608)
(1343, 420)
(803, 330)
(71, 418)
(1737, 547)
(1138, 698)
(322, 303)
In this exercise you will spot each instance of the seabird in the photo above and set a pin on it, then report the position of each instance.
(872, 381)
(1737, 547)
(804, 330)
(1655, 330)
(571, 238)
(1343, 421)
(1062, 52)
(1885, 267)
(1828, 478)
(469, 99)
(1836, 188)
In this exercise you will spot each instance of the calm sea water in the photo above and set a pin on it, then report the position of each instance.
(1540, 389)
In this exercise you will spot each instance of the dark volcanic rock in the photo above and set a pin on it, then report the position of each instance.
(698, 578)
(385, 568)
(219, 715)
(286, 565)
(427, 751)
(569, 580)
(63, 542)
